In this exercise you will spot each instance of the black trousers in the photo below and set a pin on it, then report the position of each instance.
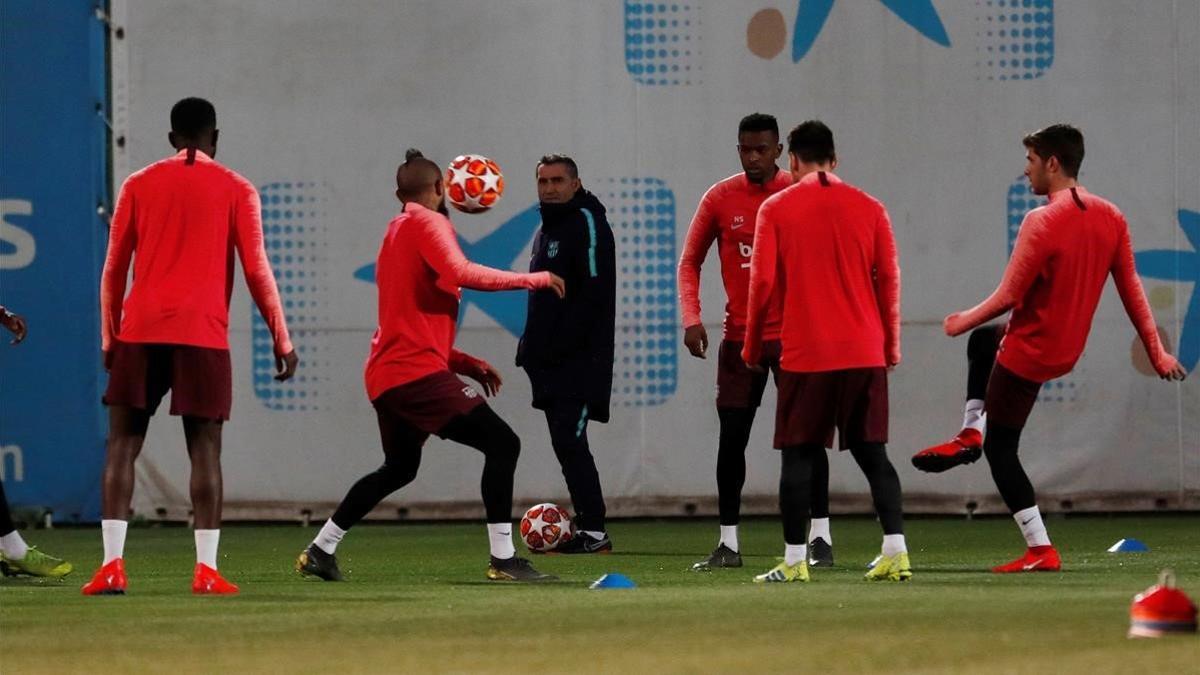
(796, 478)
(481, 429)
(6, 521)
(567, 421)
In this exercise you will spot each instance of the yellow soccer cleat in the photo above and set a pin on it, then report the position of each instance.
(783, 573)
(36, 564)
(890, 568)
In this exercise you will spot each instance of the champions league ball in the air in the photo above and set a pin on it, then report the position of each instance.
(545, 527)
(473, 183)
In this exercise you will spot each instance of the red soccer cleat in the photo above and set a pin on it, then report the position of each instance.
(207, 581)
(966, 447)
(1036, 559)
(108, 580)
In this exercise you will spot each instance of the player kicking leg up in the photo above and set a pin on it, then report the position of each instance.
(410, 373)
(967, 446)
(1063, 256)
(173, 219)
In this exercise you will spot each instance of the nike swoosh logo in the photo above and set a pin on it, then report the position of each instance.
(1032, 565)
(736, 226)
(1026, 522)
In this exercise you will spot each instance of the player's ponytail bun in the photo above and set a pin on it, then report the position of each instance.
(411, 154)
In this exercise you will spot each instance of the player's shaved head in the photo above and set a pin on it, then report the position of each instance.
(416, 176)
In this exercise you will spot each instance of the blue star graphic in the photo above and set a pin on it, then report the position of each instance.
(811, 16)
(500, 249)
(1183, 267)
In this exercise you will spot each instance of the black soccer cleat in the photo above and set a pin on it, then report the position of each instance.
(583, 543)
(820, 553)
(313, 562)
(515, 569)
(722, 556)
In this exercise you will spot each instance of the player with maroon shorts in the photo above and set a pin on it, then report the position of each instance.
(827, 248)
(726, 215)
(1064, 253)
(181, 220)
(412, 373)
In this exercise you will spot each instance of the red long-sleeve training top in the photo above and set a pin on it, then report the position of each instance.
(419, 272)
(1064, 252)
(727, 214)
(180, 223)
(827, 248)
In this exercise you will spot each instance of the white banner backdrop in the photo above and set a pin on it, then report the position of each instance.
(317, 102)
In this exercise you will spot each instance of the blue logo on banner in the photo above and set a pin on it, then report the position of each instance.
(641, 212)
(811, 16)
(1182, 267)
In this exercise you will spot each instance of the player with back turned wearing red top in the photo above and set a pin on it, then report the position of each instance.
(180, 220)
(827, 248)
(1064, 253)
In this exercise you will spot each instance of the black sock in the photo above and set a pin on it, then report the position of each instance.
(483, 430)
(795, 485)
(819, 508)
(6, 521)
(981, 356)
(731, 461)
(885, 485)
(1000, 448)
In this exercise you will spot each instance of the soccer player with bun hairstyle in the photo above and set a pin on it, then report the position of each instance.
(412, 372)
(1063, 256)
(827, 249)
(181, 221)
(726, 214)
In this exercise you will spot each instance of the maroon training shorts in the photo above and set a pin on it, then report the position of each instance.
(430, 402)
(812, 405)
(737, 385)
(1009, 398)
(200, 379)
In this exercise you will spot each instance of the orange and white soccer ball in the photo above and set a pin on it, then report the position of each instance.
(474, 183)
(545, 527)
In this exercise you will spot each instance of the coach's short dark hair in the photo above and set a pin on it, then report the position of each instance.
(758, 122)
(812, 142)
(192, 117)
(572, 167)
(1058, 140)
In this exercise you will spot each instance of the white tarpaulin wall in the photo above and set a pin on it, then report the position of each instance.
(317, 102)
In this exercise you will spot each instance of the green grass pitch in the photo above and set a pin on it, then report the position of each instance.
(417, 601)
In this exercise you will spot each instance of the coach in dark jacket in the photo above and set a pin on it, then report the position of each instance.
(567, 347)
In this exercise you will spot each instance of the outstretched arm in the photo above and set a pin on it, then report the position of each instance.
(440, 250)
(1028, 258)
(1133, 296)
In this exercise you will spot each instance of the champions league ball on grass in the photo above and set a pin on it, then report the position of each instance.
(474, 183)
(545, 527)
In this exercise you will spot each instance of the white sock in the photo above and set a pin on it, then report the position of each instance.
(818, 528)
(500, 540)
(594, 534)
(894, 544)
(974, 417)
(206, 547)
(729, 537)
(13, 546)
(329, 537)
(113, 532)
(1032, 527)
(794, 554)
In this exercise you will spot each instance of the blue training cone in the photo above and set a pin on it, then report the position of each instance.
(1128, 546)
(613, 580)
